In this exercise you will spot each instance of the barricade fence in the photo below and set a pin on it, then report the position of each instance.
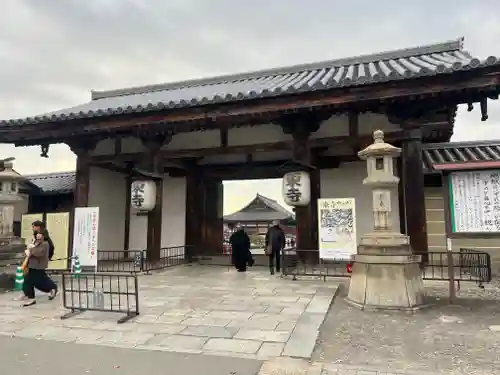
(466, 265)
(104, 292)
(121, 261)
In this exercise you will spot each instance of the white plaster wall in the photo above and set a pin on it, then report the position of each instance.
(173, 229)
(107, 191)
(347, 182)
(249, 135)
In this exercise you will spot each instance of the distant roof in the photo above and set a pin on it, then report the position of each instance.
(54, 183)
(461, 155)
(408, 63)
(275, 211)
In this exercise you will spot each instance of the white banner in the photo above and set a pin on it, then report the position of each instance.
(337, 228)
(85, 234)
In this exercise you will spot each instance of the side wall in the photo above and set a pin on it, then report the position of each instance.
(347, 182)
(436, 230)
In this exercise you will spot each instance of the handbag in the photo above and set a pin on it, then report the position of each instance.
(24, 265)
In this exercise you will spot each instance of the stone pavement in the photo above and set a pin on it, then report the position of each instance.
(193, 309)
(25, 356)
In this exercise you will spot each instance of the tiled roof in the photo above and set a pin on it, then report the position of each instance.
(429, 60)
(55, 183)
(276, 211)
(461, 155)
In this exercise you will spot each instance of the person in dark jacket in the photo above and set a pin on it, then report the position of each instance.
(275, 243)
(240, 245)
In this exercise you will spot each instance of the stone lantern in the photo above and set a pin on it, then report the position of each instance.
(386, 275)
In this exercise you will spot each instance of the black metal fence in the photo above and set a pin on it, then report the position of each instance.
(466, 265)
(105, 292)
(137, 261)
(297, 263)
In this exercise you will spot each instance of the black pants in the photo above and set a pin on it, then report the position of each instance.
(275, 256)
(37, 279)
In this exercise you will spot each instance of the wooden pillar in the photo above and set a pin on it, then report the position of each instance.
(154, 163)
(128, 197)
(194, 209)
(212, 227)
(300, 127)
(82, 148)
(413, 188)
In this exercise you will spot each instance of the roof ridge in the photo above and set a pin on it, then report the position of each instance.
(479, 143)
(49, 174)
(447, 46)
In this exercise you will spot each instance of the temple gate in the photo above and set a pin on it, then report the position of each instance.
(190, 136)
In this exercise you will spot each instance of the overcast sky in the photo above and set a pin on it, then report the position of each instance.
(53, 52)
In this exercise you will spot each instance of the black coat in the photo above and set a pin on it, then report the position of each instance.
(240, 245)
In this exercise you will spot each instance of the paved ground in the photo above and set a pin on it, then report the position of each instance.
(209, 310)
(24, 356)
(459, 339)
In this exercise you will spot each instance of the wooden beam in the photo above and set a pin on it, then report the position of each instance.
(451, 87)
(172, 155)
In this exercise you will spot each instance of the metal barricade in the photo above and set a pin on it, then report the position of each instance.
(120, 261)
(105, 292)
(297, 263)
(169, 257)
(464, 265)
(467, 265)
(475, 265)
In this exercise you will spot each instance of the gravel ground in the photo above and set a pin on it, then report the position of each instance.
(463, 338)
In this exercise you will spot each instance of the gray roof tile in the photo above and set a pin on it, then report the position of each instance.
(406, 63)
(460, 153)
(275, 212)
(54, 183)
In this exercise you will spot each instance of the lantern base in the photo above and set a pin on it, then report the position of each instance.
(386, 277)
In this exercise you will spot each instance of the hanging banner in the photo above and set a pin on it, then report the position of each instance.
(337, 228)
(85, 232)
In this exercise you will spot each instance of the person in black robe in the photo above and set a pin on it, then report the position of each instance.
(240, 245)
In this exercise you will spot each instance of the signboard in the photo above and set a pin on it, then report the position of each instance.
(26, 229)
(58, 227)
(85, 232)
(475, 201)
(337, 228)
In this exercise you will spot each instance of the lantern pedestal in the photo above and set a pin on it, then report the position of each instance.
(386, 275)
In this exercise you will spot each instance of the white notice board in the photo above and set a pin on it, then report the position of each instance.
(475, 201)
(85, 235)
(337, 228)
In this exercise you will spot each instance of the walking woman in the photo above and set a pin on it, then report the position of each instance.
(37, 256)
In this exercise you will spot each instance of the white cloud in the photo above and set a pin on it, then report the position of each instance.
(53, 52)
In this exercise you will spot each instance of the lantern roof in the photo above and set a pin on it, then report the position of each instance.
(9, 173)
(379, 147)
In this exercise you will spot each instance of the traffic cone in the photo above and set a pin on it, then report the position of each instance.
(18, 284)
(76, 268)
